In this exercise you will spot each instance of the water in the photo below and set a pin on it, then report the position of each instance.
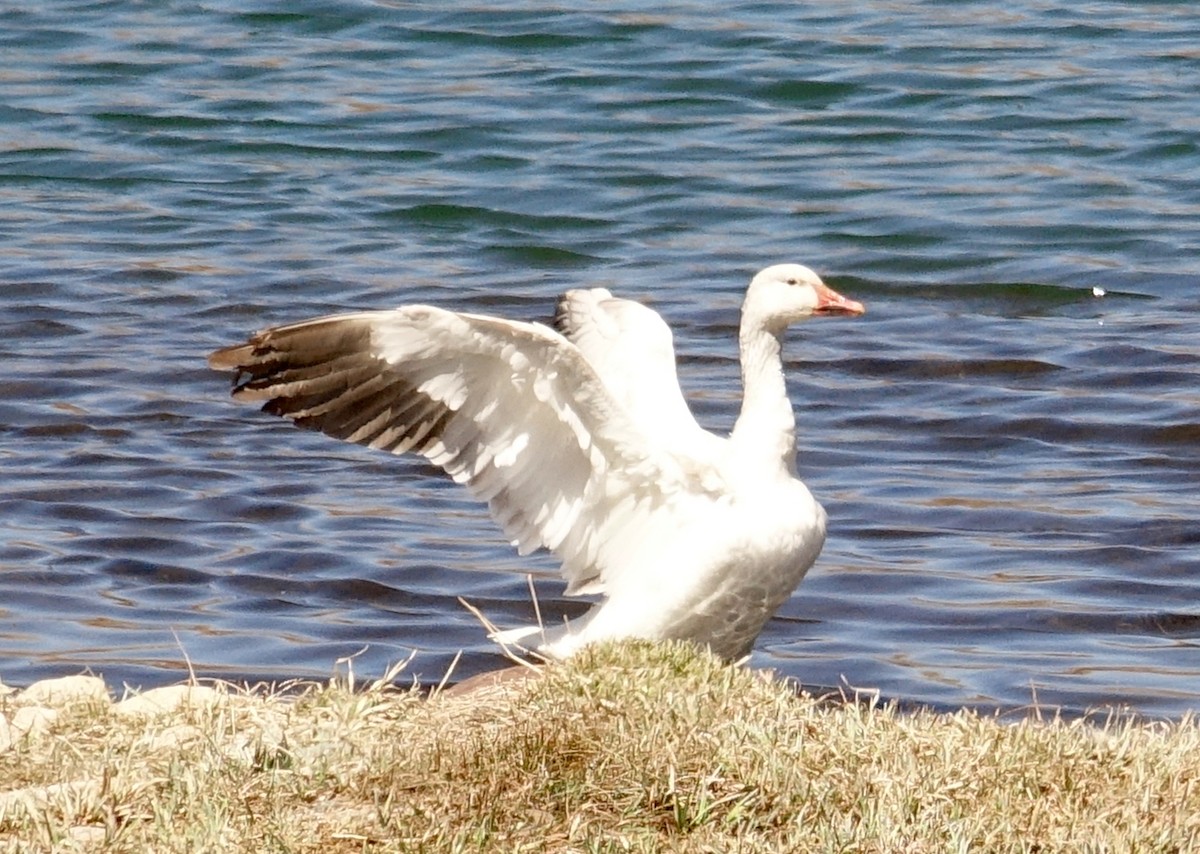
(1010, 462)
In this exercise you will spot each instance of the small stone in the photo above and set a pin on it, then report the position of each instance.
(65, 691)
(88, 835)
(173, 737)
(30, 720)
(79, 795)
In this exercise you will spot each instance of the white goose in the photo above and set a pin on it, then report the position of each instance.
(581, 442)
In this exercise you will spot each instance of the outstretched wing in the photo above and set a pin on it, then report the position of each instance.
(631, 348)
(512, 410)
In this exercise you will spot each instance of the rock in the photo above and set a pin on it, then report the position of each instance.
(489, 682)
(65, 691)
(26, 721)
(171, 698)
(171, 738)
(77, 796)
(88, 835)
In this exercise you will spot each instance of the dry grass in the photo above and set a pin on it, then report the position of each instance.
(632, 747)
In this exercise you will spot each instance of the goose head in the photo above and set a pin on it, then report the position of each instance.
(786, 293)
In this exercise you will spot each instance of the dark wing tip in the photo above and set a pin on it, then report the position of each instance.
(230, 358)
(562, 315)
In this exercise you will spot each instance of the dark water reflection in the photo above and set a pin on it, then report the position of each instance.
(1010, 460)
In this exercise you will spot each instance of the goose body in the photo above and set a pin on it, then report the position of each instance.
(580, 441)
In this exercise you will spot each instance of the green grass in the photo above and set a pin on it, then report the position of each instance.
(630, 747)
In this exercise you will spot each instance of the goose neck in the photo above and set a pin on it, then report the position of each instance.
(765, 431)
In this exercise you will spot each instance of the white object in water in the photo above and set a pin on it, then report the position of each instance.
(1098, 291)
(581, 442)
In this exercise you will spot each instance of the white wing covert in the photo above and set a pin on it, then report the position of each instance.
(513, 410)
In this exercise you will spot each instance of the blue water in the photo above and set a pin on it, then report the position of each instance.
(1010, 459)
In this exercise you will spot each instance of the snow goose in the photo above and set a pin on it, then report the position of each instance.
(580, 441)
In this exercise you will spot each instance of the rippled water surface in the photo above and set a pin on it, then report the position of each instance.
(1008, 443)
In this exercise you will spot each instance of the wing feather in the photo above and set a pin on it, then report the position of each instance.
(512, 410)
(632, 350)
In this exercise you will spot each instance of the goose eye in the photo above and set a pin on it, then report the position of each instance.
(792, 282)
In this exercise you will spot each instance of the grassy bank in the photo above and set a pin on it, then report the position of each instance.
(626, 748)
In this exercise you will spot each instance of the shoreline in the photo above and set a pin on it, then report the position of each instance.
(627, 747)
